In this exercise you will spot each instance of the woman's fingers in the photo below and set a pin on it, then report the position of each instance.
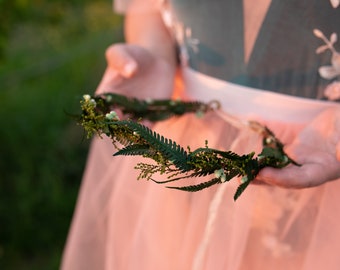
(120, 65)
(120, 59)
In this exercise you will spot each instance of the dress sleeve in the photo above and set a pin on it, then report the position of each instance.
(121, 6)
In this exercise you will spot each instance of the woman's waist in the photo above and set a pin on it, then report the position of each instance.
(249, 103)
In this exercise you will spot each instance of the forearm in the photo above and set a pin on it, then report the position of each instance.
(144, 27)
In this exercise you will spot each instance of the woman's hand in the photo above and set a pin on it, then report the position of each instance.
(134, 71)
(317, 149)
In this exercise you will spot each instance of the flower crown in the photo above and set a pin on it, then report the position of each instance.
(131, 138)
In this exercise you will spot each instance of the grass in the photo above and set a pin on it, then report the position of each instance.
(48, 66)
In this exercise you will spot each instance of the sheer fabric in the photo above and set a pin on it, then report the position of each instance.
(121, 223)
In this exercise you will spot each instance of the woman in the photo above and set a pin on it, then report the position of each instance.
(258, 59)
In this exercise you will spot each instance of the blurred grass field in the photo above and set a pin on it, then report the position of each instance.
(53, 54)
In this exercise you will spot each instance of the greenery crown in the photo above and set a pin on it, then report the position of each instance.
(131, 138)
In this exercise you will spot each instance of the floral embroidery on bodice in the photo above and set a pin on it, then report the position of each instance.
(280, 61)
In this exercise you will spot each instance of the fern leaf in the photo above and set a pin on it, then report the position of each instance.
(194, 188)
(169, 180)
(169, 149)
(201, 173)
(134, 150)
(240, 189)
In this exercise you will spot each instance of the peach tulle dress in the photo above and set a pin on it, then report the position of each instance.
(124, 224)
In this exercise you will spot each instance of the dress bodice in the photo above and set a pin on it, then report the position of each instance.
(283, 59)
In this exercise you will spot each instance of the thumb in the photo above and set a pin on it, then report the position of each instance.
(121, 60)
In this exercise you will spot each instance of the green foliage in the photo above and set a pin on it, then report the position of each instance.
(198, 187)
(152, 110)
(50, 14)
(170, 158)
(50, 60)
(135, 150)
(166, 148)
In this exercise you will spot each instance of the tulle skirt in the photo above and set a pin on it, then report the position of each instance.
(124, 223)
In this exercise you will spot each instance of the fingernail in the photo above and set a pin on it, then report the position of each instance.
(129, 69)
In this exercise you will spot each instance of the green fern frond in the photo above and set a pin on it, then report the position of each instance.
(121, 134)
(135, 150)
(194, 188)
(152, 110)
(113, 100)
(166, 147)
(171, 179)
(240, 189)
(170, 159)
(201, 173)
(234, 156)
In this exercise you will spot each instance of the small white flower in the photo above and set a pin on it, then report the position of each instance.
(112, 116)
(220, 175)
(244, 179)
(93, 102)
(86, 97)
(332, 91)
(223, 178)
(149, 100)
(108, 98)
(333, 70)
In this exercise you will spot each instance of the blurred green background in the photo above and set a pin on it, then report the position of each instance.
(51, 53)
